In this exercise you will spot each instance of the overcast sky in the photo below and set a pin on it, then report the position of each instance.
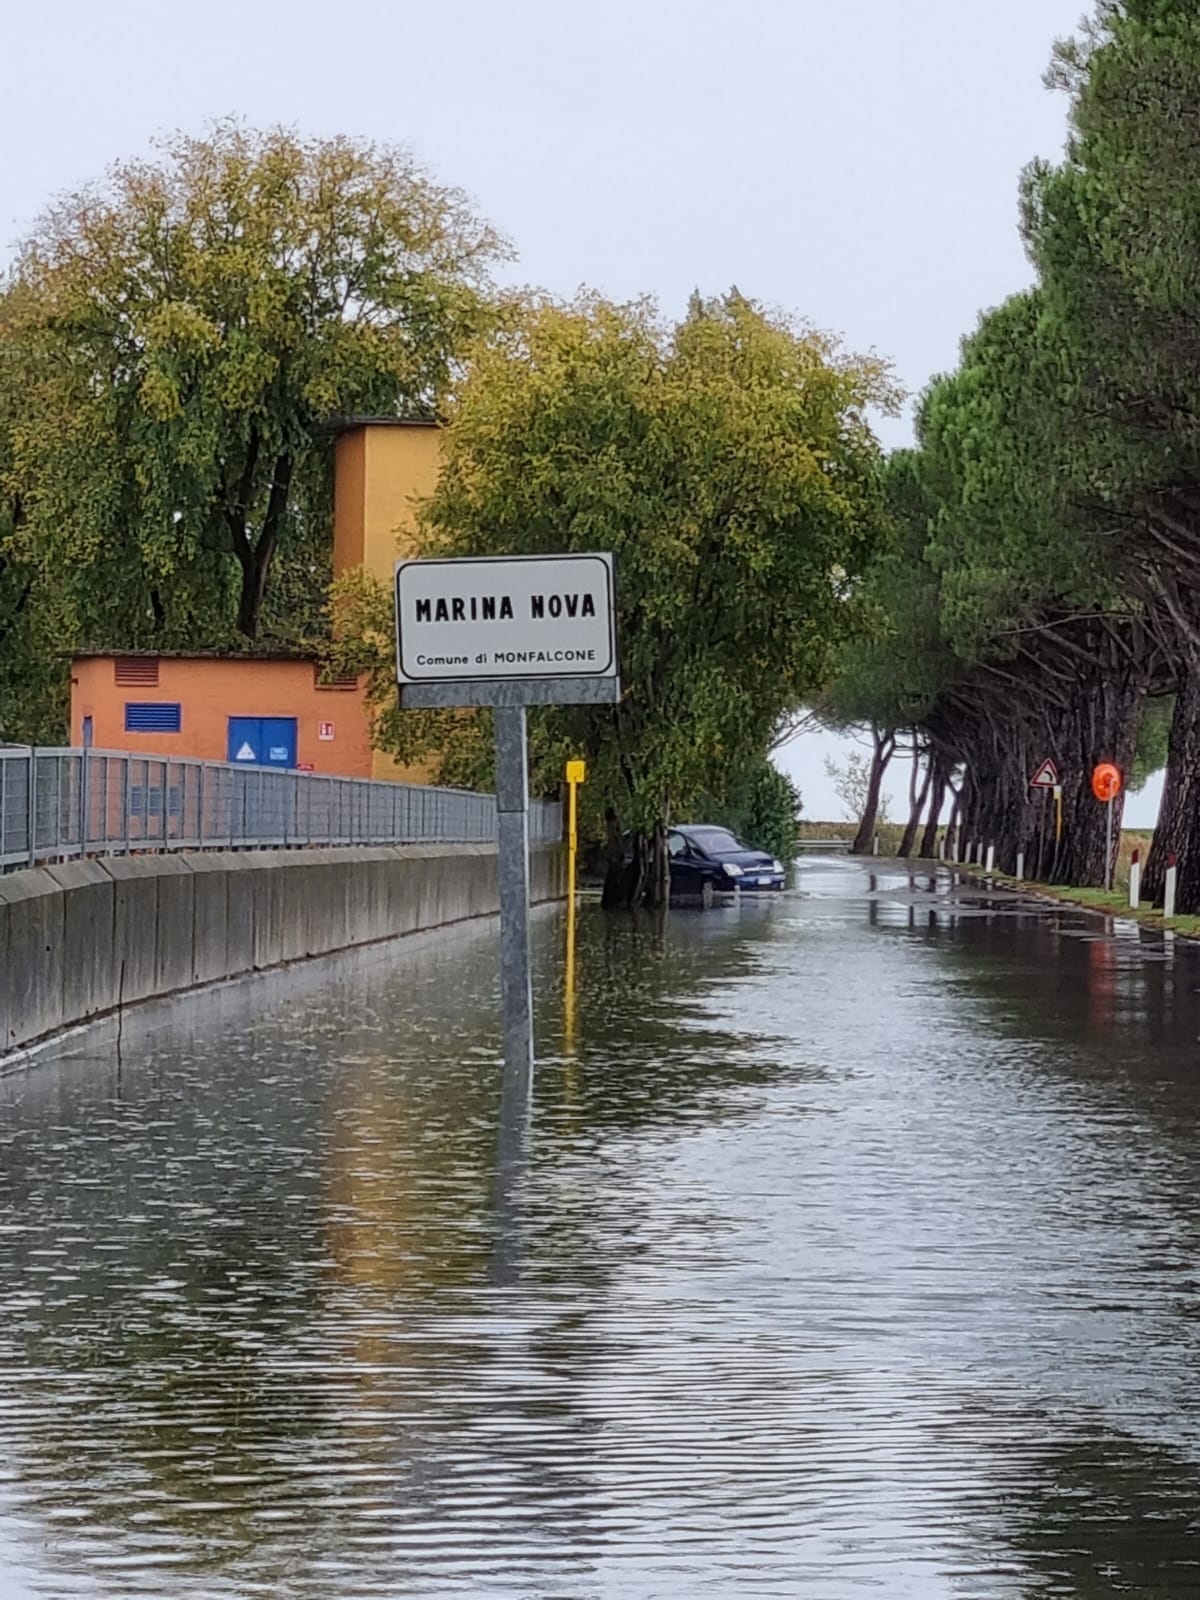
(856, 162)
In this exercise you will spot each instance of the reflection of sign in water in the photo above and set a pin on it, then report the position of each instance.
(325, 731)
(505, 618)
(246, 753)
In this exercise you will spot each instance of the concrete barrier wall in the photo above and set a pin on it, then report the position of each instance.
(85, 938)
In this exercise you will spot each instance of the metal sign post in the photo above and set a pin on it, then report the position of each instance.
(1046, 780)
(512, 815)
(1106, 786)
(508, 632)
(1108, 850)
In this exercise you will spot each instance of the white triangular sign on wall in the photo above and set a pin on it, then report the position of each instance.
(1046, 777)
(245, 753)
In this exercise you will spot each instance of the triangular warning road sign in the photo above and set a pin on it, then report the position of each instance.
(1046, 777)
(246, 753)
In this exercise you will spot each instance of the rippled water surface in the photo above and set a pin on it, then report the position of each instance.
(852, 1248)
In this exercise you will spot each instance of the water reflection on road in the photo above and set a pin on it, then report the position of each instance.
(853, 1249)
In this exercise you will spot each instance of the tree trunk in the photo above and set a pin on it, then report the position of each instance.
(1178, 830)
(952, 827)
(967, 810)
(884, 742)
(937, 799)
(917, 810)
(256, 559)
(1103, 727)
(616, 869)
(657, 888)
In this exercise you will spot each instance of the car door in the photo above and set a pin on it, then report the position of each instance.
(686, 878)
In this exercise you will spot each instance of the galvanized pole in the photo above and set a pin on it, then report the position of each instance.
(1108, 849)
(512, 806)
(32, 805)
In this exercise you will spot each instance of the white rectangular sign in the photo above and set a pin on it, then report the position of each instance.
(505, 617)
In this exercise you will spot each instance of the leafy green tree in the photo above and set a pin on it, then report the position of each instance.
(1114, 232)
(32, 678)
(758, 803)
(1052, 650)
(728, 463)
(186, 331)
(1153, 741)
(887, 676)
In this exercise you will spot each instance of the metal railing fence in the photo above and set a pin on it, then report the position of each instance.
(59, 804)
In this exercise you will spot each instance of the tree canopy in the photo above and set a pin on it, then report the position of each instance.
(177, 340)
(1055, 537)
(728, 462)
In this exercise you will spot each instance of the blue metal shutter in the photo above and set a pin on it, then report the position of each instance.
(146, 716)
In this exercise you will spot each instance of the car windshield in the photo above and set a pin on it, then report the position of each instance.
(717, 841)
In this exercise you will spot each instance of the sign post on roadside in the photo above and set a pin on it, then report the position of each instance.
(1046, 778)
(508, 632)
(1106, 786)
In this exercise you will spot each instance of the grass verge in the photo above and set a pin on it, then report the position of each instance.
(1114, 904)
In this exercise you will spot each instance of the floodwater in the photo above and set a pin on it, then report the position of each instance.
(853, 1249)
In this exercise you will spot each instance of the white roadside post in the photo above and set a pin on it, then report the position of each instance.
(508, 632)
(1020, 865)
(991, 858)
(1169, 889)
(1135, 881)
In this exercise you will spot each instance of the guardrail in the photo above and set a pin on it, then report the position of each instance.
(59, 804)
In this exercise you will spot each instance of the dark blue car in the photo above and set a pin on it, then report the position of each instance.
(702, 854)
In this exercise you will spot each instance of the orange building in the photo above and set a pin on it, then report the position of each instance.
(272, 711)
(257, 710)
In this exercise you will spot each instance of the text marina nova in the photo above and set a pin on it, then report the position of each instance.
(499, 608)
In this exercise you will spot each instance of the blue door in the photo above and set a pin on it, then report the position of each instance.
(262, 741)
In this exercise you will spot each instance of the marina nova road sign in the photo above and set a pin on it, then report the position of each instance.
(505, 618)
(508, 632)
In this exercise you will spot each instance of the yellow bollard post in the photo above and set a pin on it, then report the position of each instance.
(576, 774)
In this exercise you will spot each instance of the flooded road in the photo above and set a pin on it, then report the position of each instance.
(855, 1250)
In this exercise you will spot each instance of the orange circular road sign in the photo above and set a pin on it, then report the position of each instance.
(1106, 781)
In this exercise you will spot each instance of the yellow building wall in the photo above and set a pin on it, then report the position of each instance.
(382, 471)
